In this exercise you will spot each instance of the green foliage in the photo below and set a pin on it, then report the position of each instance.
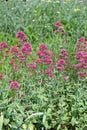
(42, 103)
(37, 19)
(53, 105)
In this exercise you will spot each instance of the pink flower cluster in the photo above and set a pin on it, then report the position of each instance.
(45, 62)
(32, 65)
(1, 76)
(49, 72)
(3, 45)
(21, 57)
(20, 52)
(81, 57)
(45, 58)
(14, 85)
(21, 36)
(81, 44)
(14, 50)
(59, 28)
(61, 63)
(64, 54)
(58, 23)
(44, 55)
(26, 48)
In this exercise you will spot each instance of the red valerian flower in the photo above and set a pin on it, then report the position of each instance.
(49, 73)
(14, 50)
(32, 66)
(57, 24)
(61, 64)
(38, 61)
(26, 48)
(82, 39)
(81, 74)
(21, 36)
(14, 85)
(47, 60)
(3, 45)
(43, 47)
(1, 76)
(12, 62)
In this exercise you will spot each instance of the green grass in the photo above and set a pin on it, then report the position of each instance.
(37, 20)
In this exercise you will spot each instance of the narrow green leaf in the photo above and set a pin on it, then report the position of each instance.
(1, 121)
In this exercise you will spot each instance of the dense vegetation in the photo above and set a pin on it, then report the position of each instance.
(43, 65)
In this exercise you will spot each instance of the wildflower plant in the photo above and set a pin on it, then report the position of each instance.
(43, 72)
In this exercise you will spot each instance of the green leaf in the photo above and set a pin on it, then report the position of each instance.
(6, 121)
(24, 126)
(45, 122)
(1, 121)
(73, 121)
(31, 126)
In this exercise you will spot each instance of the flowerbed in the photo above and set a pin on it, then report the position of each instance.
(24, 71)
(43, 78)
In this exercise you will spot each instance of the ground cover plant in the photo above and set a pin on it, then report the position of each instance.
(16, 16)
(43, 65)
